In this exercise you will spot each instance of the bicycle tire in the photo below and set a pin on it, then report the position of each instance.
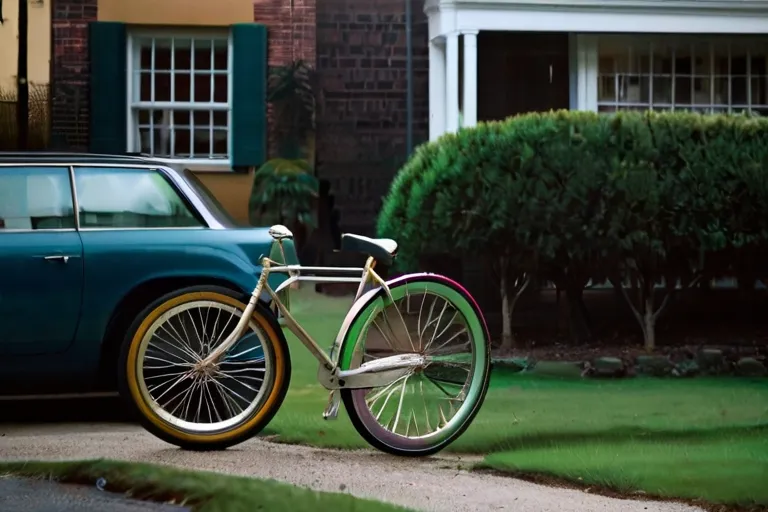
(360, 413)
(189, 434)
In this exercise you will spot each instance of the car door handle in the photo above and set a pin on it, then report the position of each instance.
(58, 257)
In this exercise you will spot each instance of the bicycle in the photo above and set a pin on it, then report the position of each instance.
(384, 355)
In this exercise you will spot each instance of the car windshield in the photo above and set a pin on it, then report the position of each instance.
(210, 200)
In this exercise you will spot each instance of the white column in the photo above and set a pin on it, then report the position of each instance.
(436, 89)
(470, 78)
(452, 81)
(586, 68)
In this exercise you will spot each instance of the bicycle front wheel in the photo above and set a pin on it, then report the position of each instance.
(426, 410)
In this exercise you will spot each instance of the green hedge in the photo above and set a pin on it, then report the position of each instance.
(573, 196)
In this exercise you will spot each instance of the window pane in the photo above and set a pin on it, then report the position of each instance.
(739, 90)
(759, 90)
(662, 59)
(606, 90)
(633, 89)
(34, 198)
(220, 53)
(162, 86)
(662, 91)
(166, 133)
(171, 62)
(145, 52)
(721, 91)
(683, 90)
(702, 58)
(181, 70)
(702, 91)
(182, 87)
(129, 198)
(758, 62)
(683, 63)
(203, 54)
(220, 119)
(639, 59)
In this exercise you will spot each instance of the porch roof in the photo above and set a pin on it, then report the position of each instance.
(611, 16)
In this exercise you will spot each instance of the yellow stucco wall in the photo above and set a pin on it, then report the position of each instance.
(39, 43)
(177, 12)
(232, 190)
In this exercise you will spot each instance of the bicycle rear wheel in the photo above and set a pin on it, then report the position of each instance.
(426, 410)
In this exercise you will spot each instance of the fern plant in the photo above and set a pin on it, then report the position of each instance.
(293, 102)
(284, 191)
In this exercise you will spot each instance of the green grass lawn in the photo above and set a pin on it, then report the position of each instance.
(202, 491)
(694, 438)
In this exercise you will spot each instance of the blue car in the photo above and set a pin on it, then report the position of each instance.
(88, 243)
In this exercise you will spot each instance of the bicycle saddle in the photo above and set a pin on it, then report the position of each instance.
(382, 250)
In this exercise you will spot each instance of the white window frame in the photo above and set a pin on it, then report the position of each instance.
(133, 63)
(587, 51)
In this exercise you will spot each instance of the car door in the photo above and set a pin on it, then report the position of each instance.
(134, 227)
(41, 260)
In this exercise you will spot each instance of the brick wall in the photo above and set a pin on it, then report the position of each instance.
(292, 35)
(361, 118)
(69, 73)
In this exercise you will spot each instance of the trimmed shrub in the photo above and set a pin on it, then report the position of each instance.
(638, 198)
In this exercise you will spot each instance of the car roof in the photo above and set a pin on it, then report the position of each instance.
(33, 157)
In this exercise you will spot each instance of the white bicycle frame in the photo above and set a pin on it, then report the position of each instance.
(376, 373)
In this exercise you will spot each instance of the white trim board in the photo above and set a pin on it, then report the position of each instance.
(594, 16)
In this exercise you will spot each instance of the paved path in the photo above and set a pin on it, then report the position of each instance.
(425, 484)
(44, 496)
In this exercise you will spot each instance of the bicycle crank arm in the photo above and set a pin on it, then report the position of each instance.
(331, 411)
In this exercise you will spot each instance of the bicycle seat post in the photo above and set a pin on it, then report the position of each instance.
(370, 263)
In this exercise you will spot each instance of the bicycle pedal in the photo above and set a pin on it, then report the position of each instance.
(331, 411)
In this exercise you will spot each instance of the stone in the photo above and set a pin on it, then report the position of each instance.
(567, 369)
(686, 368)
(750, 367)
(609, 367)
(511, 364)
(652, 365)
(712, 361)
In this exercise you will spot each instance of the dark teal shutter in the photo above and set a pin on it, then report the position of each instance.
(248, 133)
(109, 96)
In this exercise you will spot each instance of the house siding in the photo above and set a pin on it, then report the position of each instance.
(362, 116)
(292, 36)
(69, 72)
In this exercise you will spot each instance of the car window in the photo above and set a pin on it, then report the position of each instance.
(213, 204)
(34, 198)
(114, 197)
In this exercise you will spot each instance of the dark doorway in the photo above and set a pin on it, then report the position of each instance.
(520, 72)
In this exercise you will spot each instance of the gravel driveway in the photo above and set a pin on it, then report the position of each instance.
(425, 484)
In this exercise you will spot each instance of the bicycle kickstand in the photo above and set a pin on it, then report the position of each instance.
(331, 411)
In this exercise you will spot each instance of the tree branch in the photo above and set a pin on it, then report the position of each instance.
(634, 309)
(663, 305)
(520, 291)
(670, 293)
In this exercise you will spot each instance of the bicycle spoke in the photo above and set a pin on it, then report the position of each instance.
(437, 330)
(197, 397)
